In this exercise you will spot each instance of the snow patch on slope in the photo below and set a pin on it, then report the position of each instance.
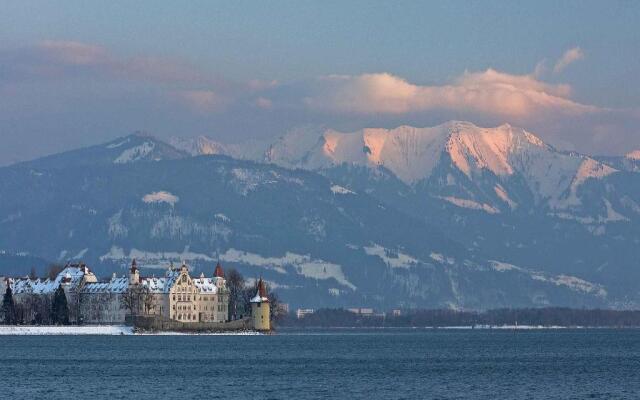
(502, 193)
(571, 282)
(592, 169)
(118, 144)
(465, 203)
(119, 254)
(337, 189)
(161, 197)
(135, 153)
(115, 227)
(611, 216)
(303, 264)
(80, 254)
(394, 259)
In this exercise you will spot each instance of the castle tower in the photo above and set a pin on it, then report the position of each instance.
(260, 309)
(134, 275)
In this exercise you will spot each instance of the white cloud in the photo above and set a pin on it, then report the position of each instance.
(490, 93)
(200, 100)
(570, 56)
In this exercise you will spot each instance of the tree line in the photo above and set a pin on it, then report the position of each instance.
(35, 310)
(551, 316)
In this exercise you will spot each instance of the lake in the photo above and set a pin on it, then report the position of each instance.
(346, 363)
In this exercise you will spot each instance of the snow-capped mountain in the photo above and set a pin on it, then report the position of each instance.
(453, 215)
(415, 155)
(124, 150)
(318, 243)
(253, 150)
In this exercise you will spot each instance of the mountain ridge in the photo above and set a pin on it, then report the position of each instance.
(494, 218)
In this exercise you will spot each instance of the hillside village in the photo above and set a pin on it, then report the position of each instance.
(174, 301)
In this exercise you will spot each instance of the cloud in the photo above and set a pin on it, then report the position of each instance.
(489, 92)
(264, 103)
(59, 88)
(56, 59)
(570, 56)
(200, 100)
(72, 53)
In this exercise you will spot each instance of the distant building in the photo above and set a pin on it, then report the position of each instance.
(396, 312)
(283, 308)
(361, 311)
(302, 312)
(260, 311)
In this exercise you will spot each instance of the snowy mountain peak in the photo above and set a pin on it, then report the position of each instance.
(634, 155)
(200, 145)
(123, 150)
(410, 153)
(474, 148)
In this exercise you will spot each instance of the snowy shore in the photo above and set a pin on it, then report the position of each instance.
(108, 330)
(67, 330)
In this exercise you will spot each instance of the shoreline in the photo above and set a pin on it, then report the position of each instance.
(102, 330)
(123, 330)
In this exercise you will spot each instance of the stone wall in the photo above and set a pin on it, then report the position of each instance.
(155, 323)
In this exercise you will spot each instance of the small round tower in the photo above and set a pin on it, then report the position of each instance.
(260, 312)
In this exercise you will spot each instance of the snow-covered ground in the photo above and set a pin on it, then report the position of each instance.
(107, 330)
(67, 330)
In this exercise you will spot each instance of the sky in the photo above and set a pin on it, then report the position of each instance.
(77, 73)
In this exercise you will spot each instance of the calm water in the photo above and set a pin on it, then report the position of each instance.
(387, 364)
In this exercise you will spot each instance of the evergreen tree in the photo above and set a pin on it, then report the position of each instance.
(60, 308)
(8, 307)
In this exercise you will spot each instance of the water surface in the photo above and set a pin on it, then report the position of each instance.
(352, 364)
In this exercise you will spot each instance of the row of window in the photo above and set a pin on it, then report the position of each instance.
(195, 298)
(181, 307)
(193, 317)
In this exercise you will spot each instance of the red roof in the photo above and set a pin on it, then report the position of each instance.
(219, 273)
(262, 291)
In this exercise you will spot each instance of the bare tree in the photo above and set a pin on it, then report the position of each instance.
(236, 287)
(137, 300)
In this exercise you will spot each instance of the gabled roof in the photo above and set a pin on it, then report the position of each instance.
(206, 285)
(115, 285)
(71, 275)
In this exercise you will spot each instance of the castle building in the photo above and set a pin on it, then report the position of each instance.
(176, 296)
(260, 311)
